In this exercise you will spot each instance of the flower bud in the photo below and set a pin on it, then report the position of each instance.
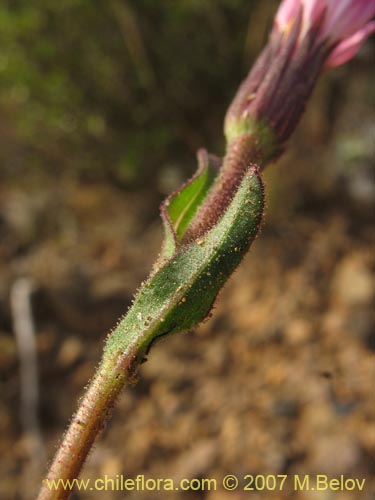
(307, 36)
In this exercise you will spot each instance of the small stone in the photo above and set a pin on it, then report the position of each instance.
(298, 331)
(353, 283)
(69, 352)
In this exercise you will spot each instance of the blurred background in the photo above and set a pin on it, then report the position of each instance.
(102, 108)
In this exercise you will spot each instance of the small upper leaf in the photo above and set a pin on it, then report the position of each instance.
(179, 208)
(180, 292)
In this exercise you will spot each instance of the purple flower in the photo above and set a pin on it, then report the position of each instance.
(307, 37)
(343, 24)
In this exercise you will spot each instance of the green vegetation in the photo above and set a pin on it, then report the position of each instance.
(116, 88)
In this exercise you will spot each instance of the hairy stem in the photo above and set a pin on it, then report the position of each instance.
(175, 298)
(93, 412)
(243, 152)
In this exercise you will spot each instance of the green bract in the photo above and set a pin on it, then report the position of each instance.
(180, 293)
(179, 208)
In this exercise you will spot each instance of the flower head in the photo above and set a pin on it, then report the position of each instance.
(343, 24)
(308, 36)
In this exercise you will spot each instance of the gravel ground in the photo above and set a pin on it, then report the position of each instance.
(279, 381)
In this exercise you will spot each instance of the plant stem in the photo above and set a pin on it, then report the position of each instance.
(93, 412)
(244, 151)
(175, 298)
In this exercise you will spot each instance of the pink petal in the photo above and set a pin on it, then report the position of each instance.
(345, 17)
(286, 13)
(312, 10)
(348, 48)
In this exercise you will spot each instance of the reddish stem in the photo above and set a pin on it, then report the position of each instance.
(243, 152)
(87, 423)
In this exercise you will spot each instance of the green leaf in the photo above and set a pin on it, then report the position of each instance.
(180, 294)
(179, 209)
